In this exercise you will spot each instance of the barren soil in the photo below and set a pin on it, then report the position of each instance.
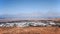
(30, 30)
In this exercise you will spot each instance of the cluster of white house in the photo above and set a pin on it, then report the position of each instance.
(27, 24)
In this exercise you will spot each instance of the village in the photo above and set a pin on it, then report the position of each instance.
(30, 23)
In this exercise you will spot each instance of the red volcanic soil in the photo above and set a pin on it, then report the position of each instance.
(30, 30)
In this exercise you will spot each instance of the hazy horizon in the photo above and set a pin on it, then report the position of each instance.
(30, 8)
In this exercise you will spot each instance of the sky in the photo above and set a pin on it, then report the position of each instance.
(30, 8)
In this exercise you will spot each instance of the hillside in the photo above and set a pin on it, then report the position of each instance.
(30, 30)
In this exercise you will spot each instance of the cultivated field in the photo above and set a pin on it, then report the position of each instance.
(30, 30)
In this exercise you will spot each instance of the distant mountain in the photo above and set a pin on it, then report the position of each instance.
(27, 17)
(7, 16)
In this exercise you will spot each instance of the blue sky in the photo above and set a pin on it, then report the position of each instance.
(30, 7)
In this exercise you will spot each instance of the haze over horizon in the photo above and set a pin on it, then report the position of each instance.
(30, 8)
